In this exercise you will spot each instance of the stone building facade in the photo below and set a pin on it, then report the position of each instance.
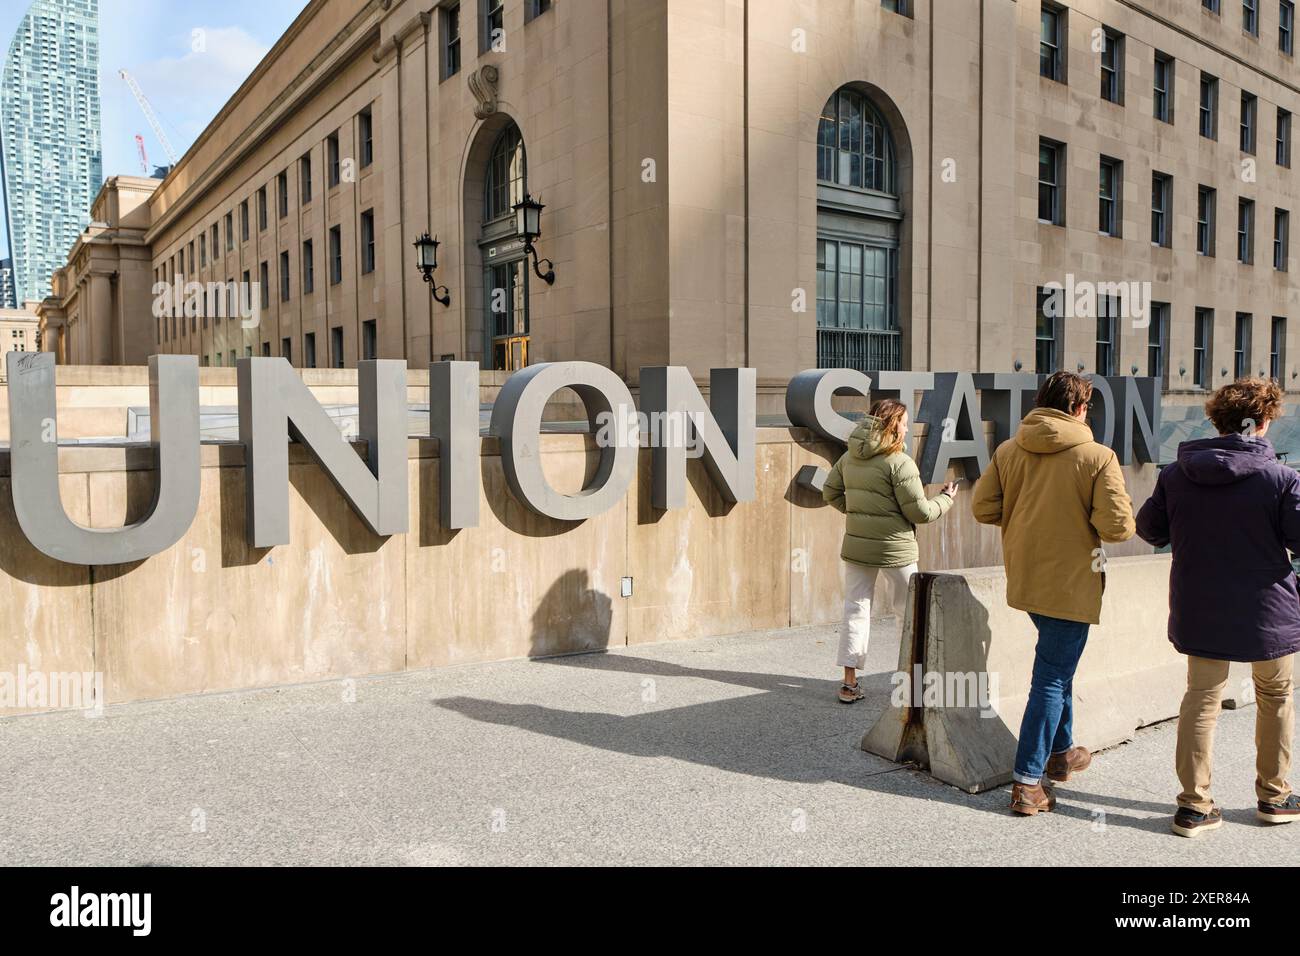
(879, 183)
(98, 312)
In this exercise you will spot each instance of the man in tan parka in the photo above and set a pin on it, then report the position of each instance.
(1057, 495)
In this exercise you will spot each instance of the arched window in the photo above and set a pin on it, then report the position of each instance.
(859, 213)
(505, 175)
(854, 148)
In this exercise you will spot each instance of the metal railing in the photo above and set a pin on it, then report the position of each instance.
(863, 349)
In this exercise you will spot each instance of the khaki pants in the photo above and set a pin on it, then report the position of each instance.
(1274, 717)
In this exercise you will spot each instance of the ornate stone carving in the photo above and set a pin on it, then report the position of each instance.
(483, 84)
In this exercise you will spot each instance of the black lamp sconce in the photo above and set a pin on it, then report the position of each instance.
(1079, 366)
(426, 257)
(1018, 365)
(528, 226)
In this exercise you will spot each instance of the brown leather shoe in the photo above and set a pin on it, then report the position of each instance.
(1027, 800)
(1061, 767)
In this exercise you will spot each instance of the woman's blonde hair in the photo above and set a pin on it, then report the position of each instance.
(888, 413)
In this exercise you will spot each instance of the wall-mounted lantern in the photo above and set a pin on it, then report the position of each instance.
(426, 258)
(528, 225)
(1018, 365)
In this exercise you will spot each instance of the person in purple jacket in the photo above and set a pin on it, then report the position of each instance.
(1230, 510)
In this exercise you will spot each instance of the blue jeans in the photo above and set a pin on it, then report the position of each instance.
(1048, 725)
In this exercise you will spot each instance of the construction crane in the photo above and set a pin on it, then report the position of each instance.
(150, 115)
(144, 157)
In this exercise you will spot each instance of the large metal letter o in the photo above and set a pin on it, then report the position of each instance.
(517, 423)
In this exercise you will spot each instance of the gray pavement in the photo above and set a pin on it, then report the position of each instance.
(714, 751)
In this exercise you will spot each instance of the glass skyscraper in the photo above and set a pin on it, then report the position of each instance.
(50, 153)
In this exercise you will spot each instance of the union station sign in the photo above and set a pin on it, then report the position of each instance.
(275, 405)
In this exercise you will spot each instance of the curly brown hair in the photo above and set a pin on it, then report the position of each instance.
(889, 413)
(1242, 406)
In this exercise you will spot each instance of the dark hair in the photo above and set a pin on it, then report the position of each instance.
(1244, 405)
(1064, 391)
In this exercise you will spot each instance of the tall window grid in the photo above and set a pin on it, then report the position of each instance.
(1112, 66)
(1163, 101)
(1202, 347)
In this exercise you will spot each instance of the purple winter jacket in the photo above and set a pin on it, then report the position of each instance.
(1230, 510)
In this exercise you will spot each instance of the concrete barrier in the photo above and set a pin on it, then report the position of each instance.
(960, 634)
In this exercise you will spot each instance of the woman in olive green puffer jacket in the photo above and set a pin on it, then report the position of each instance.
(877, 485)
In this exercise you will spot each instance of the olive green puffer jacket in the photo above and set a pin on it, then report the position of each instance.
(883, 499)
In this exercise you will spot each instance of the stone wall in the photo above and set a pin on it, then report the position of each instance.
(212, 614)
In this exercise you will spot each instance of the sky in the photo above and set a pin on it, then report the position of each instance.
(188, 56)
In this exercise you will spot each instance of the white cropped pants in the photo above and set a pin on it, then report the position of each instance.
(859, 595)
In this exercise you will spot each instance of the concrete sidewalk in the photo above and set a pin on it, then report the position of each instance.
(715, 751)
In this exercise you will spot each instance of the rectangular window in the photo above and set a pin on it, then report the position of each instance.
(1211, 5)
(1209, 116)
(336, 255)
(1286, 27)
(1107, 339)
(1241, 346)
(493, 21)
(1281, 239)
(266, 350)
(233, 358)
(1164, 88)
(230, 231)
(309, 350)
(264, 279)
(450, 40)
(1047, 333)
(304, 178)
(1202, 348)
(1109, 209)
(1158, 341)
(366, 133)
(535, 8)
(243, 221)
(368, 340)
(1051, 43)
(203, 251)
(1112, 66)
(1246, 230)
(1162, 190)
(1250, 17)
(1205, 220)
(332, 157)
(336, 347)
(1277, 348)
(247, 295)
(216, 242)
(1283, 149)
(367, 242)
(261, 209)
(1049, 182)
(1249, 105)
(286, 350)
(284, 277)
(282, 193)
(308, 268)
